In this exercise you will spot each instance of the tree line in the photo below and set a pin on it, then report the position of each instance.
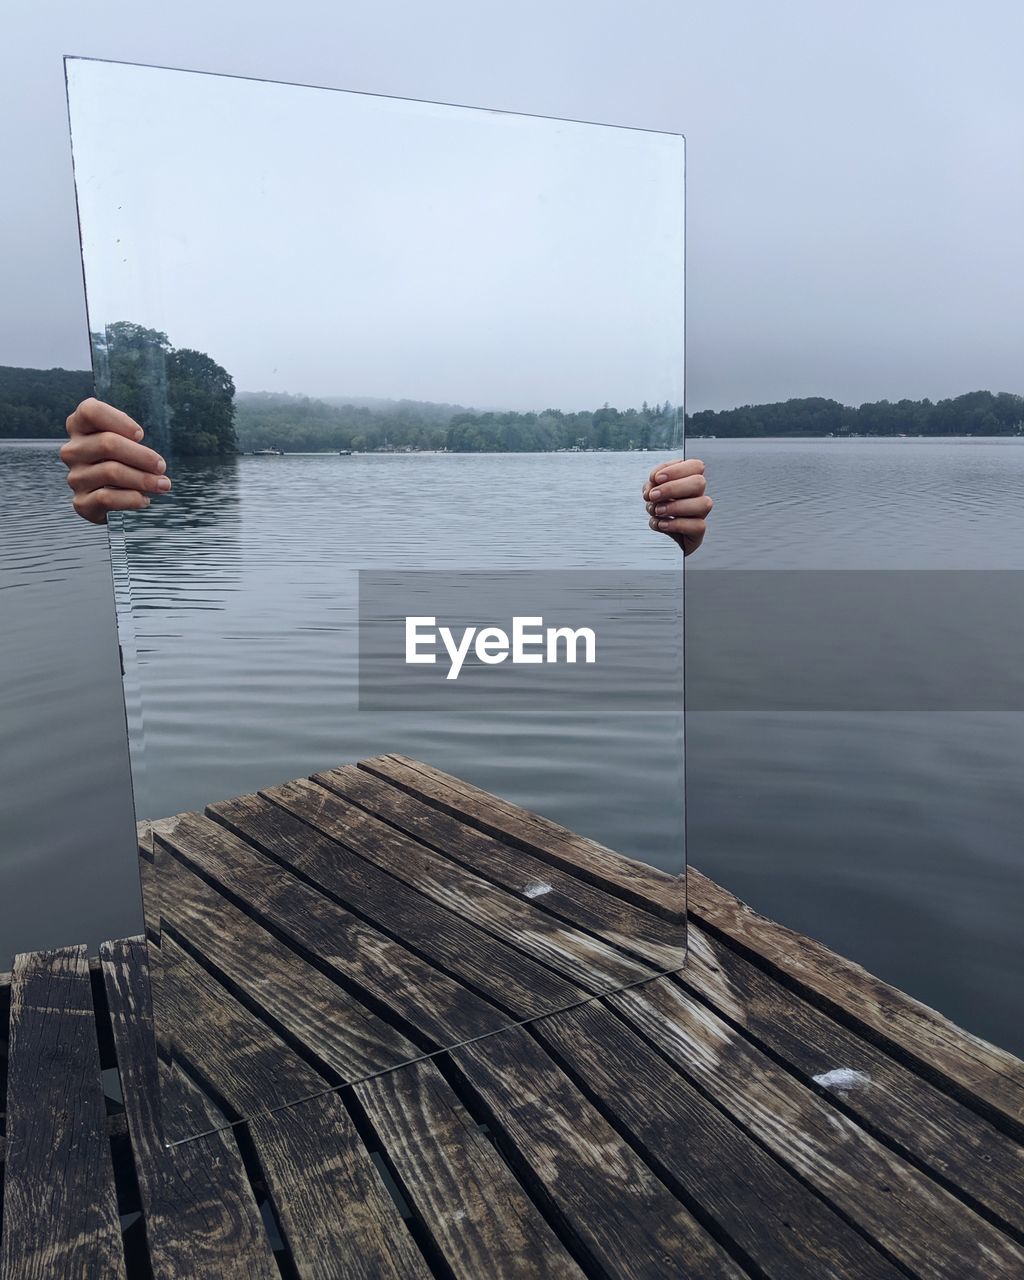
(195, 401)
(34, 403)
(139, 371)
(269, 420)
(978, 413)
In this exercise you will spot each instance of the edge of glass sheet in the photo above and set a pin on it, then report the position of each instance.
(134, 712)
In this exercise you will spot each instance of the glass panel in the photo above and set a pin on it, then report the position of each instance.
(403, 660)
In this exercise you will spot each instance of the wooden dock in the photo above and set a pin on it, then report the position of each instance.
(770, 1111)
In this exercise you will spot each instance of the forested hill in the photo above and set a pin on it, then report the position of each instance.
(34, 403)
(265, 419)
(431, 409)
(269, 420)
(978, 413)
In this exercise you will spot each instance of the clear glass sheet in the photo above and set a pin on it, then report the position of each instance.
(409, 365)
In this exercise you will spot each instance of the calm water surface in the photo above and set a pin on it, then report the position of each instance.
(892, 837)
(244, 593)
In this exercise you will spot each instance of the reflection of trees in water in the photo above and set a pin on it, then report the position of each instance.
(184, 551)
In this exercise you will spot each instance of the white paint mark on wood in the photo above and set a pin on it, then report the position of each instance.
(536, 889)
(841, 1078)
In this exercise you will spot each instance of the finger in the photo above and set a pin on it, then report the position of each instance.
(95, 505)
(107, 446)
(689, 507)
(679, 527)
(688, 487)
(115, 475)
(676, 470)
(93, 415)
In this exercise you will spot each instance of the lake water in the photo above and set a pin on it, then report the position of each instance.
(892, 836)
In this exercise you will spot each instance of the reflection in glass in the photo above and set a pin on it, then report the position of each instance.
(403, 360)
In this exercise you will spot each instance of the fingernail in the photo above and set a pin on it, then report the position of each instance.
(655, 494)
(161, 465)
(664, 524)
(659, 511)
(163, 484)
(145, 502)
(138, 433)
(661, 477)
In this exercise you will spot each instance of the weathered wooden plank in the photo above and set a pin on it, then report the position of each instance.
(5, 1009)
(980, 1072)
(589, 964)
(249, 960)
(623, 1221)
(442, 1009)
(639, 883)
(149, 883)
(907, 1112)
(933, 1128)
(334, 1210)
(339, 1221)
(299, 1137)
(60, 1207)
(466, 1195)
(300, 823)
(476, 1213)
(912, 1218)
(549, 889)
(117, 1127)
(244, 1064)
(784, 1229)
(642, 1129)
(200, 1213)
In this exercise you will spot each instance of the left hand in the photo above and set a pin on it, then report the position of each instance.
(677, 503)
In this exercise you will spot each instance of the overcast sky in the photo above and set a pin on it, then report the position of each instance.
(855, 173)
(321, 242)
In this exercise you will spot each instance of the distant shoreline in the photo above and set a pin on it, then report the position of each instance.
(40, 441)
(34, 404)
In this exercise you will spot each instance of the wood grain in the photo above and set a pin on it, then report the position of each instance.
(982, 1073)
(60, 1208)
(784, 1229)
(387, 878)
(946, 1138)
(339, 1221)
(769, 1110)
(480, 1219)
(252, 963)
(623, 1220)
(360, 956)
(200, 1213)
(332, 1205)
(644, 885)
(549, 889)
(912, 1218)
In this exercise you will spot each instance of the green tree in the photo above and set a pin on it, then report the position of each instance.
(201, 396)
(130, 364)
(183, 398)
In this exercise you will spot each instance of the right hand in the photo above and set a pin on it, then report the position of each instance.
(108, 469)
(677, 502)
